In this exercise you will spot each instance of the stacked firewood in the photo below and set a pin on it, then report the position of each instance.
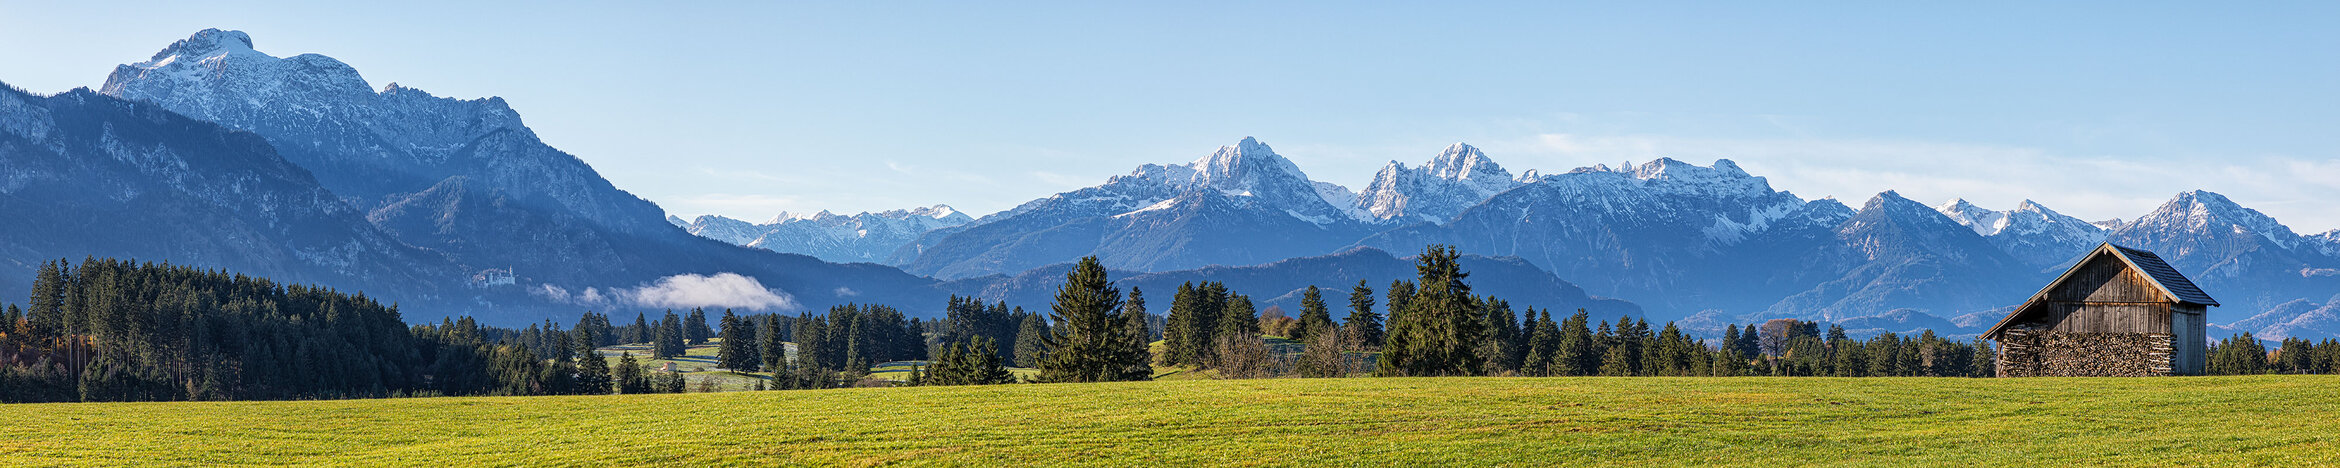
(2041, 353)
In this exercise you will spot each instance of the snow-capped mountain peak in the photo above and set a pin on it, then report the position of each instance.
(1461, 161)
(2200, 211)
(2031, 232)
(1984, 221)
(203, 43)
(1458, 178)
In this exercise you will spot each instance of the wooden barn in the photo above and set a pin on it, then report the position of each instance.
(2118, 312)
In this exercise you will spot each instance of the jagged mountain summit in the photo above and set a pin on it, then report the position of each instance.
(1458, 178)
(1243, 204)
(862, 237)
(2031, 233)
(1663, 234)
(2246, 259)
(1896, 253)
(366, 145)
(466, 180)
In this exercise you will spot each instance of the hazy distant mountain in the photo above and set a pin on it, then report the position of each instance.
(84, 174)
(1281, 283)
(1897, 254)
(1243, 204)
(862, 237)
(1674, 237)
(2036, 236)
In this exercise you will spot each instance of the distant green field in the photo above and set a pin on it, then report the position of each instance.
(2264, 420)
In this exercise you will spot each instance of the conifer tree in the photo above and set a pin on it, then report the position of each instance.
(738, 350)
(1441, 324)
(1401, 296)
(695, 330)
(629, 375)
(1031, 341)
(1091, 341)
(1543, 347)
(1314, 317)
(1501, 351)
(771, 346)
(972, 362)
(1137, 339)
(1363, 324)
(1579, 351)
(1618, 362)
(593, 376)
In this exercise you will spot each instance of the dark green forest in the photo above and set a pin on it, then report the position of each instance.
(116, 330)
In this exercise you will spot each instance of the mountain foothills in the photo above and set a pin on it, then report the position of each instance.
(215, 155)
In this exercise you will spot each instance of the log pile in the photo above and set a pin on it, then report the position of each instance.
(2043, 353)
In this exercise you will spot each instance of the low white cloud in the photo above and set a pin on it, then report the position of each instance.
(717, 291)
(842, 291)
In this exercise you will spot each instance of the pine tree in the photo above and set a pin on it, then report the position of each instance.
(771, 346)
(972, 362)
(593, 376)
(629, 375)
(1031, 341)
(1501, 351)
(738, 350)
(1401, 296)
(1618, 362)
(1441, 324)
(1363, 324)
(1137, 341)
(695, 330)
(1091, 341)
(1579, 351)
(1543, 345)
(1314, 317)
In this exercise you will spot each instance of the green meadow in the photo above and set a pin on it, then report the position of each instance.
(2257, 420)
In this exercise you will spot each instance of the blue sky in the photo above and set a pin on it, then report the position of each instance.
(2094, 109)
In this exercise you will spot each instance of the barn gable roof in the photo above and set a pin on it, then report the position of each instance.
(2165, 278)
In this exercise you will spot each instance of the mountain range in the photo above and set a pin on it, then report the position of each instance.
(215, 154)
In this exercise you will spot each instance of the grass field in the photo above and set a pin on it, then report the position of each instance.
(2265, 420)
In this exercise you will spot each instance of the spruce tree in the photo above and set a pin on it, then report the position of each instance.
(771, 346)
(593, 376)
(972, 362)
(1314, 317)
(1441, 324)
(1543, 348)
(695, 330)
(738, 350)
(1137, 339)
(1031, 341)
(1363, 324)
(1501, 351)
(1579, 351)
(1090, 341)
(629, 375)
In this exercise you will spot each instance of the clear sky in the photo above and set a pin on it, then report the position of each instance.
(2098, 110)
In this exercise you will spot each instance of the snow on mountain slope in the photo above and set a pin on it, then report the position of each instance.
(1242, 204)
(2246, 259)
(1662, 234)
(2033, 234)
(1458, 178)
(367, 146)
(863, 237)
